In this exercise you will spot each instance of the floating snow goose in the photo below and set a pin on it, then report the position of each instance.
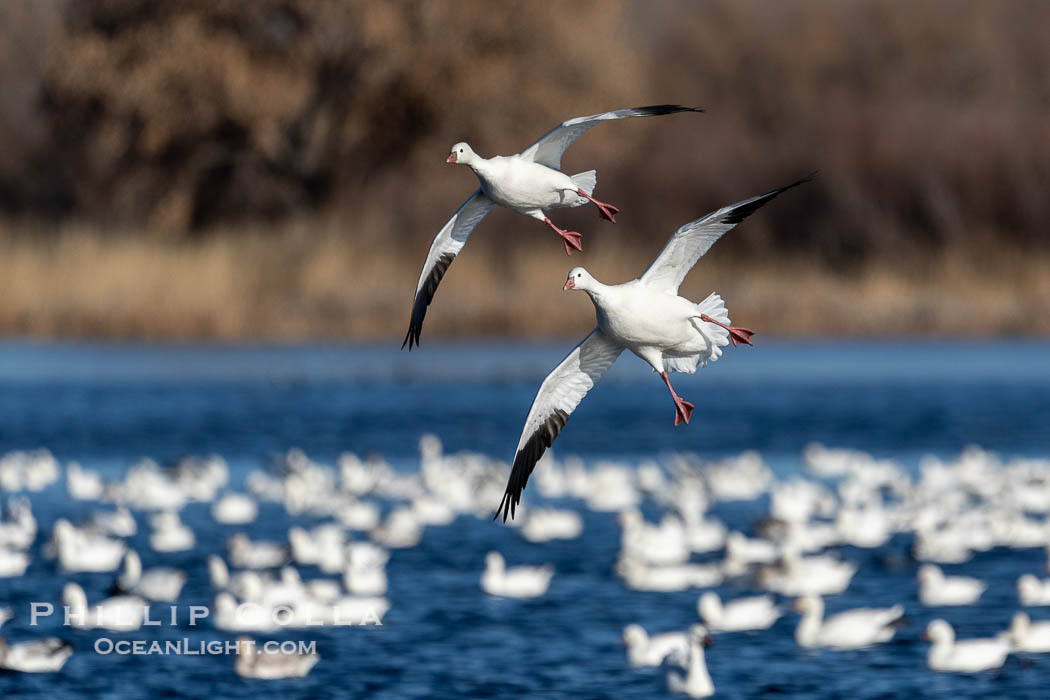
(646, 650)
(697, 681)
(647, 317)
(269, 663)
(755, 613)
(159, 583)
(528, 182)
(518, 582)
(936, 589)
(851, 629)
(967, 656)
(38, 656)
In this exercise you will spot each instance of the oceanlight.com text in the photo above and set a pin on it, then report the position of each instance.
(188, 647)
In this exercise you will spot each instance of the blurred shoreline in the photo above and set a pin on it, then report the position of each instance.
(275, 170)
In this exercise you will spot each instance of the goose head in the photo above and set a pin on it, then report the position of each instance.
(939, 631)
(699, 635)
(634, 635)
(809, 605)
(710, 606)
(1020, 625)
(461, 153)
(494, 562)
(73, 597)
(929, 575)
(580, 279)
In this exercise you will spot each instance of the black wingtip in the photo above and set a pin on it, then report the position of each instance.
(412, 336)
(808, 178)
(503, 506)
(660, 110)
(738, 214)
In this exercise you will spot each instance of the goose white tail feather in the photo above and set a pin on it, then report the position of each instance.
(587, 182)
(717, 337)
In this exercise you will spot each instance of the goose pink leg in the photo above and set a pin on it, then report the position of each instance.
(682, 408)
(571, 239)
(605, 211)
(736, 333)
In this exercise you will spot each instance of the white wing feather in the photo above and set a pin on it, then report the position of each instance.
(550, 147)
(558, 396)
(691, 241)
(446, 246)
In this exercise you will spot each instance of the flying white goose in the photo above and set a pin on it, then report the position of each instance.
(936, 589)
(755, 613)
(38, 656)
(528, 182)
(645, 650)
(969, 656)
(851, 629)
(647, 317)
(697, 682)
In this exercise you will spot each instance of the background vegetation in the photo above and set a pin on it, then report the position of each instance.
(267, 169)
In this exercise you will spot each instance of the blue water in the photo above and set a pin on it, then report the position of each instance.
(105, 406)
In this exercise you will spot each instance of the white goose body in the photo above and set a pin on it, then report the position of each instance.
(967, 656)
(1032, 591)
(646, 650)
(697, 681)
(742, 614)
(256, 661)
(122, 613)
(524, 186)
(38, 656)
(851, 629)
(936, 589)
(1025, 635)
(650, 322)
(517, 582)
(645, 316)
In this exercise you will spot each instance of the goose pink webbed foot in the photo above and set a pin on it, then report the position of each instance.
(736, 333)
(683, 410)
(571, 239)
(605, 211)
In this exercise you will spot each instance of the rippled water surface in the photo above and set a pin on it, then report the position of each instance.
(106, 406)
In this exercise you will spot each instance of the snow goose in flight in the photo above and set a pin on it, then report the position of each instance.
(647, 317)
(527, 182)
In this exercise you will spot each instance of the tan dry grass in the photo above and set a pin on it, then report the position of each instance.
(311, 281)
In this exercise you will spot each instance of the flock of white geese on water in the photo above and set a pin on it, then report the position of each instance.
(952, 509)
